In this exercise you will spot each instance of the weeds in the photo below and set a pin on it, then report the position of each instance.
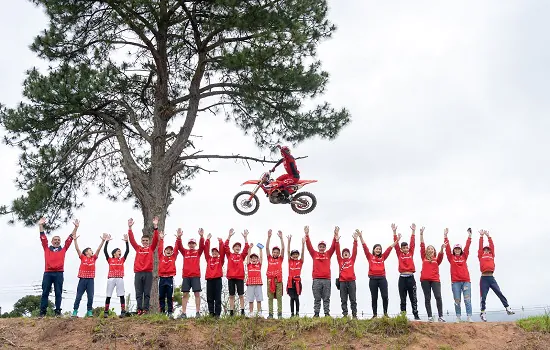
(536, 323)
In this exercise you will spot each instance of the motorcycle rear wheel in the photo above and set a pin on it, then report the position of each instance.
(245, 203)
(309, 203)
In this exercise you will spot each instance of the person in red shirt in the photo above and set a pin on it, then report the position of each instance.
(235, 270)
(167, 270)
(429, 277)
(143, 265)
(460, 276)
(486, 256)
(346, 278)
(191, 271)
(214, 273)
(254, 281)
(407, 283)
(294, 282)
(115, 277)
(54, 261)
(275, 275)
(321, 272)
(292, 175)
(377, 273)
(86, 275)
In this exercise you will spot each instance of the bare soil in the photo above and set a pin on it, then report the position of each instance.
(134, 333)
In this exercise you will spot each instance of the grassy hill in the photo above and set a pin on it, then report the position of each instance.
(154, 332)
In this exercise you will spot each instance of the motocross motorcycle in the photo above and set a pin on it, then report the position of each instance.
(247, 203)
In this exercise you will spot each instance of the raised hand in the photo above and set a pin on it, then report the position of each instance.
(481, 233)
(156, 221)
(336, 230)
(306, 230)
(303, 240)
(76, 223)
(487, 234)
(161, 234)
(422, 230)
(289, 237)
(130, 223)
(251, 245)
(125, 237)
(336, 237)
(269, 232)
(443, 246)
(201, 232)
(245, 233)
(74, 236)
(413, 226)
(231, 232)
(105, 237)
(355, 236)
(469, 232)
(42, 221)
(394, 228)
(280, 234)
(209, 236)
(399, 237)
(179, 233)
(358, 233)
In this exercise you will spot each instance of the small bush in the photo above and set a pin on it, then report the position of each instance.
(536, 323)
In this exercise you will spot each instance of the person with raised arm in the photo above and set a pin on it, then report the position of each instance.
(321, 272)
(275, 274)
(167, 270)
(254, 281)
(377, 273)
(143, 265)
(54, 261)
(294, 282)
(235, 270)
(115, 276)
(407, 283)
(215, 259)
(86, 275)
(191, 271)
(429, 277)
(460, 276)
(346, 278)
(486, 256)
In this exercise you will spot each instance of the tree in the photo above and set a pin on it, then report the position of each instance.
(27, 306)
(127, 81)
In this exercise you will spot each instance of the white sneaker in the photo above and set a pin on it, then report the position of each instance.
(430, 319)
(441, 319)
(469, 319)
(483, 316)
(458, 319)
(250, 314)
(509, 311)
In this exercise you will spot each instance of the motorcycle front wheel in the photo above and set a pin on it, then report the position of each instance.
(244, 205)
(304, 202)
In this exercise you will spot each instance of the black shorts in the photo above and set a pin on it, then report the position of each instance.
(191, 283)
(239, 284)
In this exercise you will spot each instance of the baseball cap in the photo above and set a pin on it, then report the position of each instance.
(294, 252)
(192, 240)
(236, 243)
(323, 243)
(457, 246)
(168, 247)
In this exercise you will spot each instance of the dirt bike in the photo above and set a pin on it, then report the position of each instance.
(247, 203)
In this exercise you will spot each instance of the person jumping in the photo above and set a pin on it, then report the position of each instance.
(292, 174)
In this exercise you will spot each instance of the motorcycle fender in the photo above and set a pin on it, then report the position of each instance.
(250, 182)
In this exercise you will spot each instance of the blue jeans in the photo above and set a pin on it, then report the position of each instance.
(55, 278)
(464, 288)
(85, 285)
(489, 282)
(166, 291)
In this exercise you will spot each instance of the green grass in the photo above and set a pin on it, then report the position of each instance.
(536, 323)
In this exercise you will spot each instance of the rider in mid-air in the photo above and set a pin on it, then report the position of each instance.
(292, 174)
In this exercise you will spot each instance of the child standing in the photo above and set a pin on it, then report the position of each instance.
(460, 276)
(294, 282)
(254, 282)
(346, 278)
(275, 275)
(214, 273)
(191, 271)
(235, 270)
(167, 271)
(486, 257)
(407, 283)
(86, 275)
(115, 277)
(143, 266)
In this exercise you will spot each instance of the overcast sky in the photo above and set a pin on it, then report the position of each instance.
(450, 119)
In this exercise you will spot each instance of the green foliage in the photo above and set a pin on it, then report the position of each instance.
(28, 306)
(536, 323)
(127, 80)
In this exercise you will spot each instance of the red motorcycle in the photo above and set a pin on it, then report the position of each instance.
(247, 203)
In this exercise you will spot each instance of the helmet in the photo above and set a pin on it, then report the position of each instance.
(294, 252)
(285, 150)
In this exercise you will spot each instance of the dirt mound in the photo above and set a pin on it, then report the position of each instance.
(237, 333)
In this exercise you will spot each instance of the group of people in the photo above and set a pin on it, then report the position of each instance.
(239, 256)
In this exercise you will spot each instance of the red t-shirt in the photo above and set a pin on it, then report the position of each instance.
(54, 259)
(116, 267)
(376, 263)
(275, 268)
(144, 256)
(254, 274)
(430, 269)
(486, 260)
(406, 261)
(167, 264)
(294, 267)
(321, 261)
(214, 264)
(459, 267)
(346, 266)
(191, 259)
(87, 266)
(235, 262)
